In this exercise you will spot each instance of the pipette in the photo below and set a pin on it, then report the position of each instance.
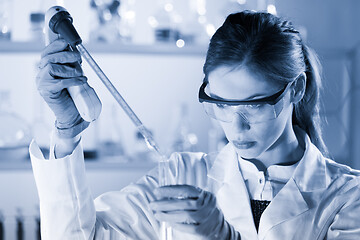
(61, 23)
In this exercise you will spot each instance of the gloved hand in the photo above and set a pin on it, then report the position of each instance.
(59, 69)
(192, 210)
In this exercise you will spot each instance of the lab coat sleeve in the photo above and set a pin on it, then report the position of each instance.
(126, 214)
(346, 223)
(66, 207)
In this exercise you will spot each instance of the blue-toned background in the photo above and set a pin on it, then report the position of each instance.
(160, 82)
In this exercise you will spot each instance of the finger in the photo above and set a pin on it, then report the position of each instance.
(185, 227)
(176, 217)
(198, 209)
(176, 204)
(60, 57)
(207, 207)
(64, 70)
(55, 46)
(52, 86)
(177, 191)
(52, 71)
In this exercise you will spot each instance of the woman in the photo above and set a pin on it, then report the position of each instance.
(272, 181)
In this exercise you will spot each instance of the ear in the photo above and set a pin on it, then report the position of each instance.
(298, 88)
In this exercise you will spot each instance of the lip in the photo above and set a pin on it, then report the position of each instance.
(243, 144)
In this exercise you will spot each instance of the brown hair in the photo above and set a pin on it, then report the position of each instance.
(272, 46)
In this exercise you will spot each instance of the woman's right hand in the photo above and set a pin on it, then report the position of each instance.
(59, 69)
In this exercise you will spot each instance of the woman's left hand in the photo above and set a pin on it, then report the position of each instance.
(189, 209)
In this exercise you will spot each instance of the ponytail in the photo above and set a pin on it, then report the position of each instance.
(307, 112)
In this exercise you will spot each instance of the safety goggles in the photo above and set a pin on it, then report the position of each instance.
(252, 111)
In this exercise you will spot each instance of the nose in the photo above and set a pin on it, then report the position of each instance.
(240, 122)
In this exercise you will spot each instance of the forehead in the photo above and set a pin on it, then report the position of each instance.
(239, 84)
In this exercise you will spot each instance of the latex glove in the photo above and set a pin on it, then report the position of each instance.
(59, 69)
(192, 210)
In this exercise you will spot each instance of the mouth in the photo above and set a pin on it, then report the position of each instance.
(243, 144)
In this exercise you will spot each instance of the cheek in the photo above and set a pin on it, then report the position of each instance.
(267, 133)
(260, 132)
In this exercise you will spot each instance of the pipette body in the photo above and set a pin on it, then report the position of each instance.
(85, 98)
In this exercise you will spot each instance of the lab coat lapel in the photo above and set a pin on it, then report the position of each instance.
(287, 204)
(232, 195)
(309, 176)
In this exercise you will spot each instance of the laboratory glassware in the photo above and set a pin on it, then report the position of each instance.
(164, 24)
(37, 26)
(5, 19)
(183, 139)
(15, 133)
(1, 225)
(106, 27)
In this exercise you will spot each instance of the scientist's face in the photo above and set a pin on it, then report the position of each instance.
(249, 139)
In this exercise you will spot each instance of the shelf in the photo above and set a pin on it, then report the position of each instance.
(160, 49)
(113, 48)
(98, 164)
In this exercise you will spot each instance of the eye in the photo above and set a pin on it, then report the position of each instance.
(254, 106)
(220, 105)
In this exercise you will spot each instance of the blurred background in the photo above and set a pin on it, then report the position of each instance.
(153, 52)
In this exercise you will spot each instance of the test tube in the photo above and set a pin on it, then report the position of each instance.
(19, 224)
(163, 165)
(1, 225)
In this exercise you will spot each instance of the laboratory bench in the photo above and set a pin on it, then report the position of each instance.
(103, 163)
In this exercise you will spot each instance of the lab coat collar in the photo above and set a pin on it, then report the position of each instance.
(287, 204)
(232, 196)
(310, 174)
(225, 165)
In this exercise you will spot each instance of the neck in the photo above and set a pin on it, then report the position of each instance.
(287, 150)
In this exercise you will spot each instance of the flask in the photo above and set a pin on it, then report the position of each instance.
(143, 151)
(183, 139)
(5, 19)
(37, 27)
(108, 20)
(15, 133)
(111, 144)
(164, 23)
(192, 23)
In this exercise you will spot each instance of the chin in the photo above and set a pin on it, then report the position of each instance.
(251, 153)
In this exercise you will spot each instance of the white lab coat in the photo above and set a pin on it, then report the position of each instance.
(320, 201)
